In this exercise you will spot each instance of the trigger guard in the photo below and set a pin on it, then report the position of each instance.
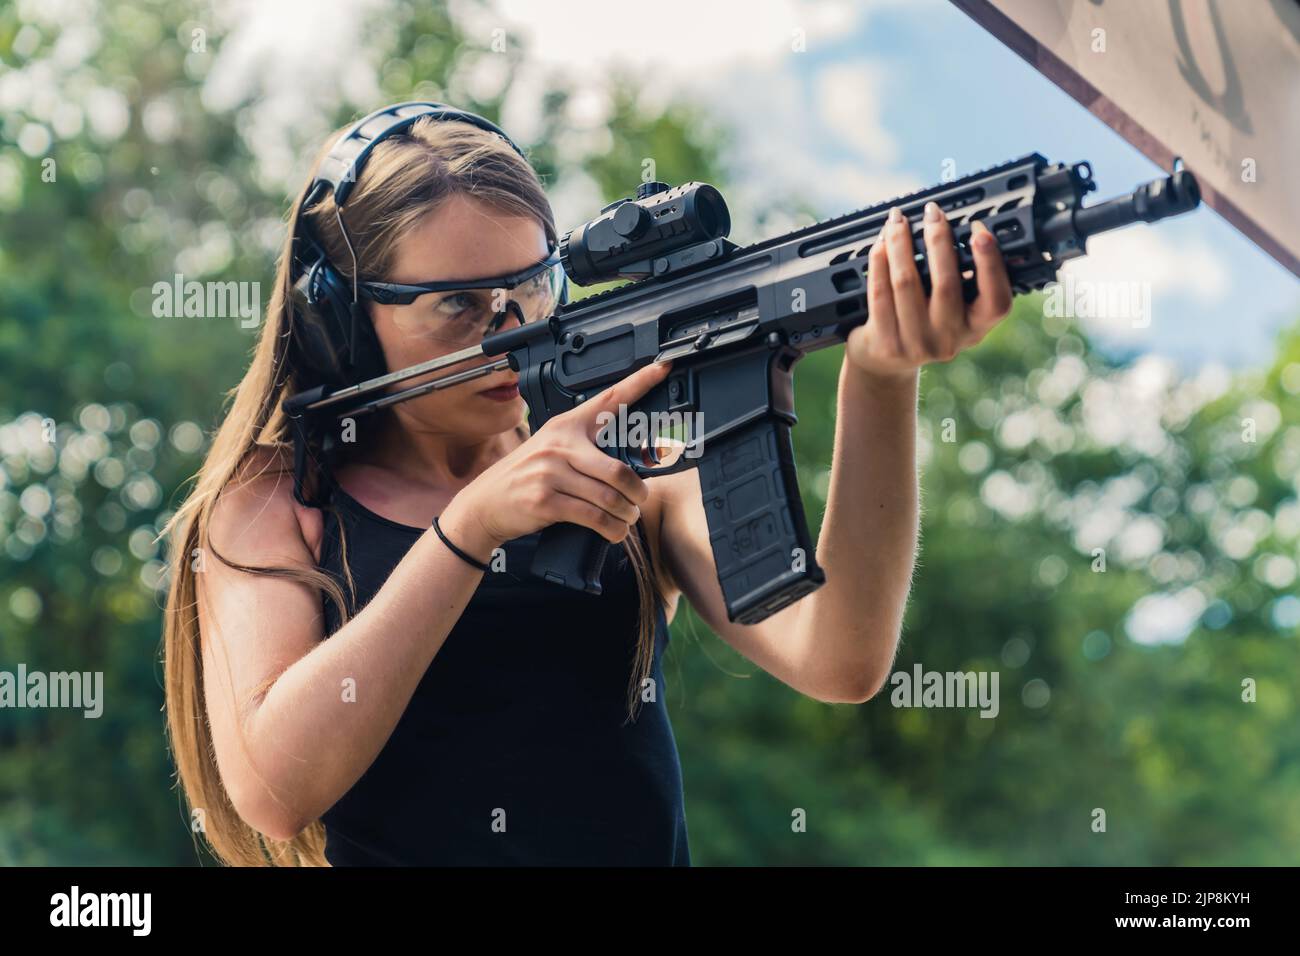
(643, 470)
(646, 471)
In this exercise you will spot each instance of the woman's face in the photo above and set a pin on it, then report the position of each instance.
(462, 238)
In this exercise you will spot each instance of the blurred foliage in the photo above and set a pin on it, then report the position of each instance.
(1120, 689)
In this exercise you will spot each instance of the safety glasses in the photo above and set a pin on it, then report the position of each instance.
(547, 274)
(458, 313)
(461, 313)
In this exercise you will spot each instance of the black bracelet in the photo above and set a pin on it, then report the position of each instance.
(459, 553)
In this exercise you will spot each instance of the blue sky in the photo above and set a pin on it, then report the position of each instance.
(955, 88)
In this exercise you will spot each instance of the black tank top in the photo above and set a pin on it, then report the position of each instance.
(515, 748)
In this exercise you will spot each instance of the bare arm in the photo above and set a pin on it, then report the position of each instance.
(307, 739)
(867, 544)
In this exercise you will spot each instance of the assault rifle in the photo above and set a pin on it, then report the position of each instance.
(734, 321)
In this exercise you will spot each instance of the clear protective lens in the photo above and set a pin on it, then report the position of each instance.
(461, 318)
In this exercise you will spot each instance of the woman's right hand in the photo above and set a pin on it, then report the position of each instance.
(557, 475)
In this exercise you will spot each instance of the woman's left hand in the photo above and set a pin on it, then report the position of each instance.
(904, 330)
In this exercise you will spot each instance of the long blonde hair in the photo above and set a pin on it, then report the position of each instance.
(405, 178)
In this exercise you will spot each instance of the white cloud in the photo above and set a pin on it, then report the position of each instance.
(849, 97)
(736, 60)
(1187, 270)
(733, 58)
(675, 38)
(785, 150)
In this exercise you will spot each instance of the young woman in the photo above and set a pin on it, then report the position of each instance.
(345, 685)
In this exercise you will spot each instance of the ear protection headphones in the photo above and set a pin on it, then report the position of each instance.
(332, 338)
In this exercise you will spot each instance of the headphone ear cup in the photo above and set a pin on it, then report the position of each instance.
(335, 298)
(334, 336)
(357, 354)
(320, 337)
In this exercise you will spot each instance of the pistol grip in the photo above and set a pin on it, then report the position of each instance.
(572, 556)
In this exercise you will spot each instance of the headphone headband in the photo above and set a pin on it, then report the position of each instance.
(338, 171)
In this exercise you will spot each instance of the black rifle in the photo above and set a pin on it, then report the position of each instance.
(734, 321)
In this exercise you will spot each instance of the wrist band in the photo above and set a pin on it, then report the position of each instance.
(457, 551)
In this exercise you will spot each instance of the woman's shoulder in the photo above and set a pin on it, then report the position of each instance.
(257, 515)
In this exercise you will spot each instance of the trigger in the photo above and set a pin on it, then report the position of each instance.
(650, 454)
